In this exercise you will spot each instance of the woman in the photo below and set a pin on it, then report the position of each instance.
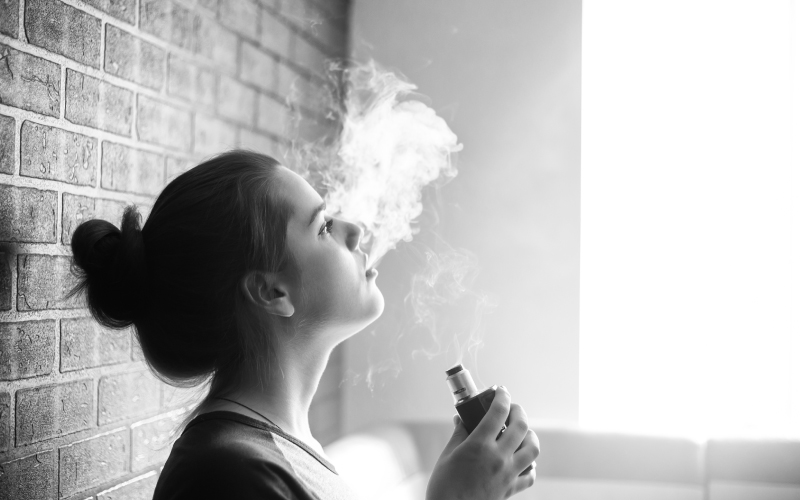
(241, 279)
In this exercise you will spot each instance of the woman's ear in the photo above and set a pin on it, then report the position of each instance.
(267, 292)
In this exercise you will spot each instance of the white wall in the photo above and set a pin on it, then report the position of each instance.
(506, 76)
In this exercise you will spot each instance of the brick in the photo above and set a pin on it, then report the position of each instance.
(27, 214)
(5, 423)
(8, 140)
(212, 5)
(94, 103)
(313, 96)
(275, 35)
(5, 283)
(128, 395)
(236, 102)
(241, 16)
(313, 129)
(255, 141)
(29, 82)
(124, 10)
(217, 44)
(258, 68)
(177, 166)
(63, 29)
(212, 135)
(53, 410)
(334, 9)
(53, 153)
(131, 170)
(169, 21)
(160, 123)
(77, 209)
(289, 82)
(273, 116)
(86, 344)
(332, 39)
(9, 17)
(189, 82)
(43, 281)
(133, 59)
(26, 349)
(138, 488)
(150, 440)
(299, 13)
(94, 461)
(29, 478)
(309, 56)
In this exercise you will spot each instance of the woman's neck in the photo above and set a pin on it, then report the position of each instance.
(284, 397)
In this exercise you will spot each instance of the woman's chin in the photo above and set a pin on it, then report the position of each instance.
(373, 313)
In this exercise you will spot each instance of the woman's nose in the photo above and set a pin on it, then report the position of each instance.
(353, 237)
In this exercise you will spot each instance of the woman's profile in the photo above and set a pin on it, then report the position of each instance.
(240, 279)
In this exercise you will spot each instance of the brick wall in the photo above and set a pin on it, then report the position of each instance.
(101, 103)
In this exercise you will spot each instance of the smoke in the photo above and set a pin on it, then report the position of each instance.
(374, 170)
(390, 148)
(444, 303)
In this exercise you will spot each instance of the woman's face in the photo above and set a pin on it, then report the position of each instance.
(336, 291)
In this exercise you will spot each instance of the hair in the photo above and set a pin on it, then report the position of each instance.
(177, 279)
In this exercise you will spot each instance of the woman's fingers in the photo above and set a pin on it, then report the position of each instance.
(527, 452)
(523, 482)
(517, 428)
(492, 423)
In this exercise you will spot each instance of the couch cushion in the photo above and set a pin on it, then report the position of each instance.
(564, 488)
(754, 460)
(766, 469)
(377, 461)
(568, 453)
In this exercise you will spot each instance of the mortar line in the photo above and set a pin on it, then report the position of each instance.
(103, 46)
(62, 105)
(17, 145)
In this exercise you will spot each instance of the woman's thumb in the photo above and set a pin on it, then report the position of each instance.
(459, 435)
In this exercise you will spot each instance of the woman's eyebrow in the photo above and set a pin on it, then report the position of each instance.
(322, 206)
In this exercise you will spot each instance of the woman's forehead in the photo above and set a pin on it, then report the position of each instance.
(299, 195)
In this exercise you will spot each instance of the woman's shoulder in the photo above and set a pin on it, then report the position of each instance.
(225, 433)
(224, 454)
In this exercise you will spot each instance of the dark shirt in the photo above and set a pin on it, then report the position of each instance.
(224, 454)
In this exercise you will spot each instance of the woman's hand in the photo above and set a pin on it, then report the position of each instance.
(481, 466)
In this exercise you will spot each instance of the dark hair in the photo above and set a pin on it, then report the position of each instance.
(177, 278)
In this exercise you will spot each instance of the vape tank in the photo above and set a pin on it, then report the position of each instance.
(470, 404)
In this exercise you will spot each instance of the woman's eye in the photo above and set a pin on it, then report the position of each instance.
(326, 228)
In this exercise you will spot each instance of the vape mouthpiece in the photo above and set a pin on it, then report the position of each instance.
(454, 370)
(461, 384)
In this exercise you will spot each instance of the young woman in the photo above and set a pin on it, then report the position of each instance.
(240, 278)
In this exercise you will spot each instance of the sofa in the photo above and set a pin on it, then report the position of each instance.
(393, 462)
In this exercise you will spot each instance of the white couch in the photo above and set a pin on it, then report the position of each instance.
(393, 462)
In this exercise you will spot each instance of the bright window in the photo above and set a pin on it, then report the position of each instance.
(690, 217)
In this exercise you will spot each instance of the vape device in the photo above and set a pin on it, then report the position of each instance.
(471, 405)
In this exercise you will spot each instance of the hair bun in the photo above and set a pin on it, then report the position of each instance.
(111, 268)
